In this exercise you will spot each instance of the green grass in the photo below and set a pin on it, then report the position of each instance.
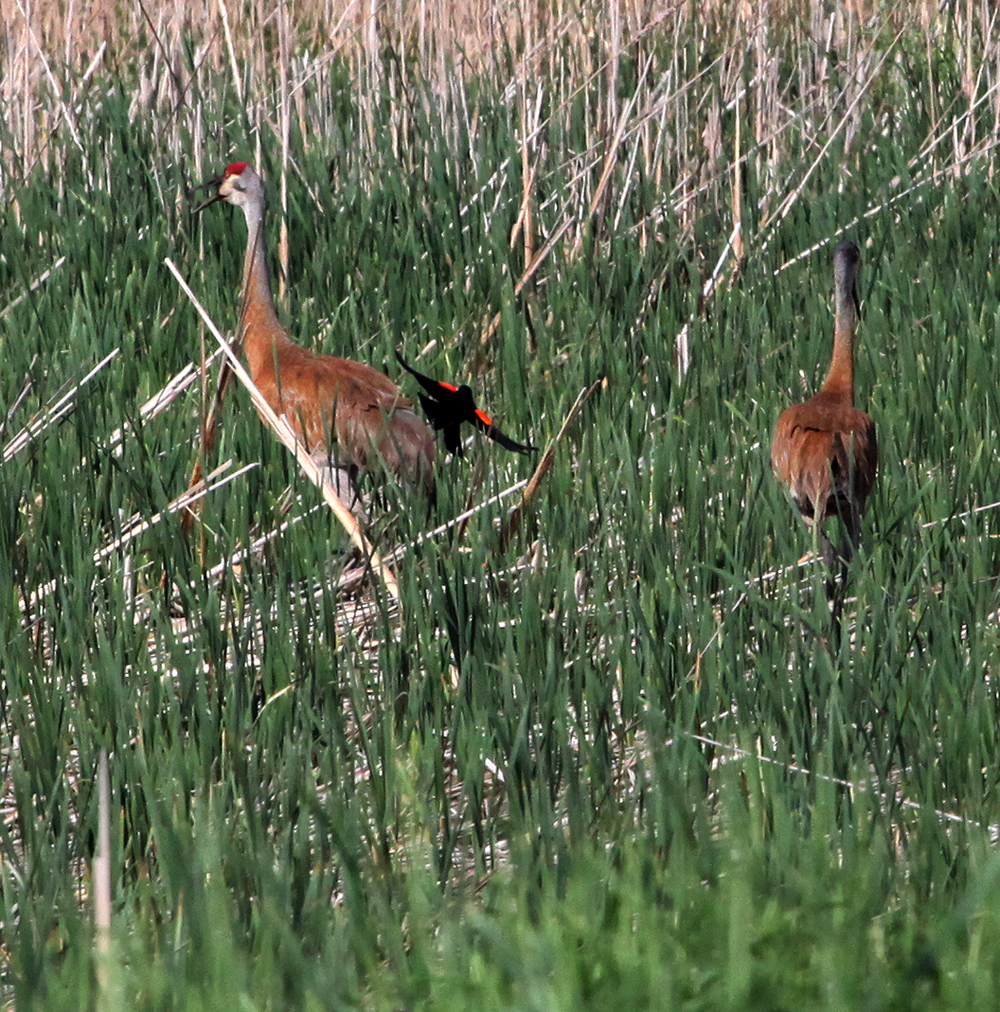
(622, 763)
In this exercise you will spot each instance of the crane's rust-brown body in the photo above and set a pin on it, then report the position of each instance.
(348, 414)
(825, 449)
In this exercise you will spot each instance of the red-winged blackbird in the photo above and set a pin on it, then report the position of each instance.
(447, 406)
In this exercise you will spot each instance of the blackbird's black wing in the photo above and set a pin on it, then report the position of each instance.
(486, 426)
(439, 391)
(447, 406)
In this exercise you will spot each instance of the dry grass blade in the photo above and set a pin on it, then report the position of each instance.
(682, 349)
(789, 202)
(164, 397)
(37, 283)
(283, 431)
(137, 525)
(544, 466)
(102, 870)
(243, 553)
(530, 272)
(611, 155)
(52, 414)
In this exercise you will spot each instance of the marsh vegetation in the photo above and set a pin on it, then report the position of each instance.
(618, 760)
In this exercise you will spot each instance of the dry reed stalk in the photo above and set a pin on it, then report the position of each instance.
(682, 348)
(26, 386)
(36, 284)
(529, 273)
(934, 177)
(350, 580)
(31, 605)
(61, 407)
(164, 397)
(284, 128)
(550, 44)
(137, 525)
(133, 528)
(795, 194)
(738, 191)
(525, 223)
(209, 428)
(593, 217)
(102, 873)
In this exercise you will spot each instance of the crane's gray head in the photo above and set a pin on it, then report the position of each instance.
(238, 185)
(845, 259)
(845, 270)
(845, 249)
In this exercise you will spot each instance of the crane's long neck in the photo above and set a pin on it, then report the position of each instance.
(258, 319)
(840, 378)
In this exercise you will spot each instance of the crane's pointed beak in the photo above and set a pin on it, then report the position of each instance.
(214, 183)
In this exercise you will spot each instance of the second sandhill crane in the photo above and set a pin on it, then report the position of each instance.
(348, 414)
(825, 450)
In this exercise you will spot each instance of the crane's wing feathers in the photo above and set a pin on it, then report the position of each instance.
(827, 455)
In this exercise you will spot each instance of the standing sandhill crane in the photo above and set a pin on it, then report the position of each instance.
(824, 450)
(348, 414)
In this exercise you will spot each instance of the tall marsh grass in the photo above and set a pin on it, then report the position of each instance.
(620, 759)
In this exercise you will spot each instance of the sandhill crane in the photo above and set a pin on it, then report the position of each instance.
(348, 414)
(824, 450)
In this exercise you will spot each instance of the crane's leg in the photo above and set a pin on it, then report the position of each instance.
(341, 477)
(836, 582)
